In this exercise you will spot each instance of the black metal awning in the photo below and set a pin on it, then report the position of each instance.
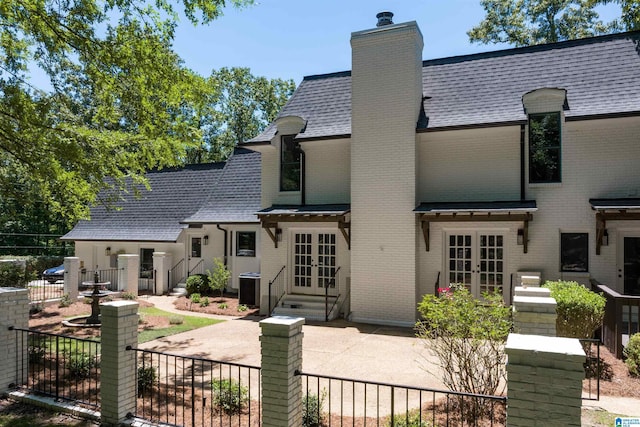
(516, 210)
(615, 209)
(338, 213)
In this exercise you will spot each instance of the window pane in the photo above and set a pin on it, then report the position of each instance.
(574, 252)
(246, 243)
(544, 147)
(289, 164)
(196, 247)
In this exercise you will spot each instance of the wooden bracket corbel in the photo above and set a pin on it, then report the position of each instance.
(345, 228)
(273, 234)
(601, 225)
(425, 233)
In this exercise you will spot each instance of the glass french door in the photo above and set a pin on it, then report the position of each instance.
(476, 260)
(314, 262)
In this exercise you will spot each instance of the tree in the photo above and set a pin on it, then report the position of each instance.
(529, 22)
(116, 106)
(219, 277)
(241, 105)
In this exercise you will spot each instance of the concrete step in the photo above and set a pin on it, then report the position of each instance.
(178, 291)
(311, 307)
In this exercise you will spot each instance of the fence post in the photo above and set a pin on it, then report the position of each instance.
(71, 277)
(117, 364)
(544, 380)
(161, 264)
(534, 311)
(281, 348)
(14, 311)
(128, 273)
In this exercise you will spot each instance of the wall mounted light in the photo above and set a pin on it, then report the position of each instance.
(605, 238)
(520, 236)
(205, 240)
(279, 234)
(107, 251)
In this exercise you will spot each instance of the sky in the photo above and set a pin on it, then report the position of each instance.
(290, 39)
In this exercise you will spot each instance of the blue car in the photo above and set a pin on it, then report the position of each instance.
(53, 274)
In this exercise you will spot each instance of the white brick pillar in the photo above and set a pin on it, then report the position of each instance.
(281, 347)
(117, 364)
(544, 380)
(534, 311)
(14, 311)
(71, 276)
(128, 273)
(161, 266)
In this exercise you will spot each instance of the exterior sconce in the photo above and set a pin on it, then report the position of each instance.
(205, 240)
(520, 236)
(605, 238)
(107, 251)
(279, 234)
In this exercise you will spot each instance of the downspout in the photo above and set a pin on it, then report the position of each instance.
(303, 185)
(225, 242)
(522, 191)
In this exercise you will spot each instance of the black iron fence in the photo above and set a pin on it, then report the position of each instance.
(343, 401)
(192, 391)
(176, 274)
(594, 369)
(276, 290)
(59, 366)
(41, 291)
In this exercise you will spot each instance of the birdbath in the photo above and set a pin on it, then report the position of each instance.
(95, 296)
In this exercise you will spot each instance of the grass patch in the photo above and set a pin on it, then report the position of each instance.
(38, 417)
(189, 323)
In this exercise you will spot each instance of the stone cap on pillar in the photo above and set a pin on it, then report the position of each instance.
(542, 344)
(283, 326)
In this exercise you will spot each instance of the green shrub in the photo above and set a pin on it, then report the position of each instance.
(467, 336)
(36, 308)
(223, 305)
(13, 275)
(229, 395)
(198, 284)
(176, 320)
(219, 277)
(129, 296)
(146, 377)
(312, 409)
(632, 354)
(80, 364)
(204, 302)
(242, 308)
(579, 310)
(195, 298)
(65, 301)
(409, 419)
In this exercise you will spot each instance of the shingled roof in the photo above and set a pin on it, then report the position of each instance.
(601, 76)
(236, 197)
(176, 194)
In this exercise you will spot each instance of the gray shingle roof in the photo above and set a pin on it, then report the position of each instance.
(601, 76)
(203, 193)
(236, 197)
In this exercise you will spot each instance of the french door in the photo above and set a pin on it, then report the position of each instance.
(314, 262)
(629, 264)
(476, 260)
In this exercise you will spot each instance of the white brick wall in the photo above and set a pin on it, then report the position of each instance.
(386, 96)
(328, 171)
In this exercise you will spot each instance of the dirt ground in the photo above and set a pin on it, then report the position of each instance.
(226, 306)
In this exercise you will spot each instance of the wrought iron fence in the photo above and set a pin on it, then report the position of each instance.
(41, 291)
(197, 269)
(59, 366)
(594, 369)
(276, 290)
(176, 274)
(342, 401)
(110, 276)
(192, 391)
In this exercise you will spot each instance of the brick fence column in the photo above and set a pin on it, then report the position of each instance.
(281, 348)
(128, 273)
(534, 311)
(544, 380)
(71, 274)
(14, 311)
(118, 365)
(161, 266)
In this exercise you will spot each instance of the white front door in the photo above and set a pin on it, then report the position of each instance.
(476, 260)
(314, 262)
(194, 255)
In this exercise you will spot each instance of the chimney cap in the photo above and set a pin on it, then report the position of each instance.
(384, 18)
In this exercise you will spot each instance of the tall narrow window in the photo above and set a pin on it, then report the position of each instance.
(146, 263)
(289, 164)
(544, 148)
(574, 252)
(196, 247)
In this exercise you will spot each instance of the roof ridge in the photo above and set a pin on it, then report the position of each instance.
(531, 48)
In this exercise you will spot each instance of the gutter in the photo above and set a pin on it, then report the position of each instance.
(226, 243)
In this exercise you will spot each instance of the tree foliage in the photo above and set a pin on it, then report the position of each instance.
(116, 105)
(529, 22)
(579, 311)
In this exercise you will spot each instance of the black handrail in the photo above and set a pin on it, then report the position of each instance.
(327, 284)
(278, 279)
(173, 279)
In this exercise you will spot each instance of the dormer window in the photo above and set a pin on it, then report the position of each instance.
(544, 148)
(290, 165)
